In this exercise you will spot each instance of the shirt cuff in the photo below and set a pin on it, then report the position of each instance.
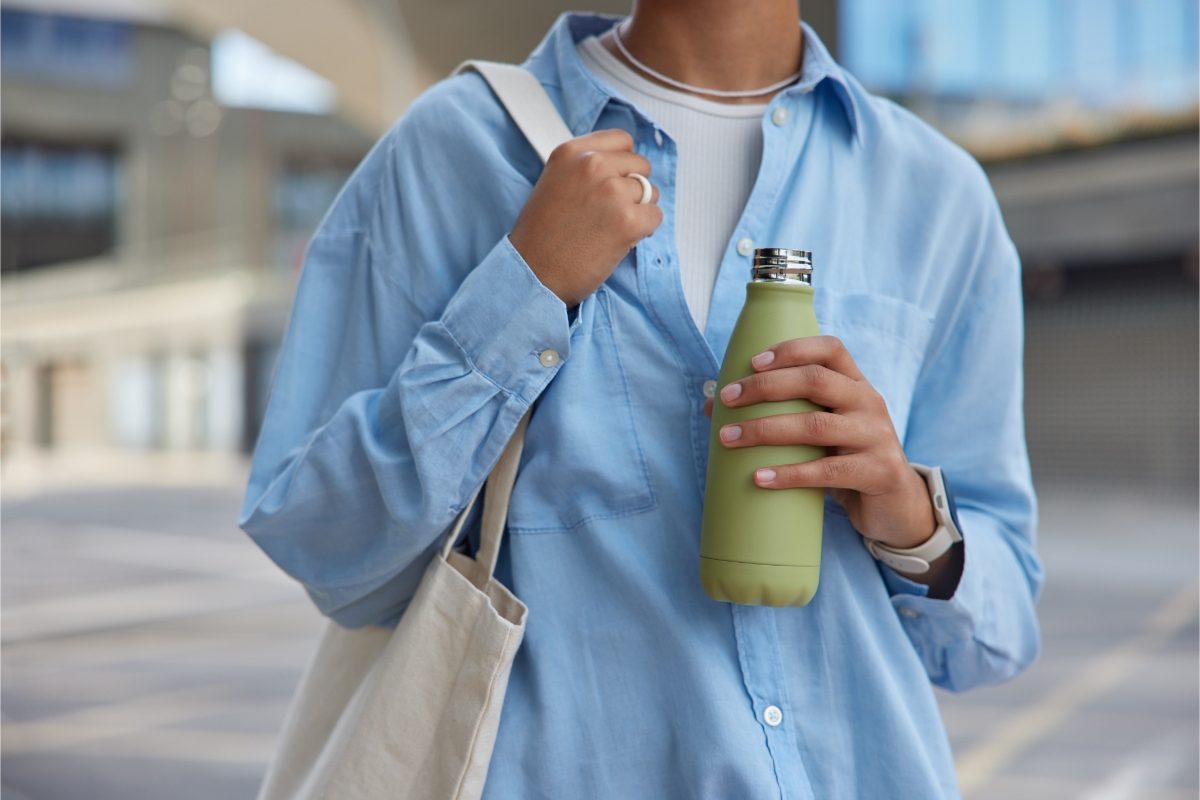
(510, 326)
(956, 618)
(898, 584)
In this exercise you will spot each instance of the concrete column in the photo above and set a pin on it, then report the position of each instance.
(184, 381)
(21, 406)
(224, 406)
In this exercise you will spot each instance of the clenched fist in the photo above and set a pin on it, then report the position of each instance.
(583, 215)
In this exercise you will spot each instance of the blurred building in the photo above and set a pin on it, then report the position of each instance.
(1084, 113)
(164, 165)
(159, 186)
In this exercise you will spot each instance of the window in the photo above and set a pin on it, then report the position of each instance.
(57, 202)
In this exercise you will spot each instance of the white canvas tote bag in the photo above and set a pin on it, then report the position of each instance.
(411, 713)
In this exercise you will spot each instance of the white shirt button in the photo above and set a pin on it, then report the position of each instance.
(910, 613)
(710, 388)
(772, 715)
(779, 115)
(548, 358)
(745, 246)
(658, 140)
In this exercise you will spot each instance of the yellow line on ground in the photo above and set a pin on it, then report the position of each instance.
(1017, 733)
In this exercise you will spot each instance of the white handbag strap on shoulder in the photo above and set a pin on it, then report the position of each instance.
(527, 103)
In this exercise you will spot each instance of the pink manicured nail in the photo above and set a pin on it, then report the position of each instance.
(731, 433)
(763, 358)
(731, 392)
(765, 475)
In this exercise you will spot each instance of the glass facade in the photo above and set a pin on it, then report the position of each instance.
(59, 48)
(57, 201)
(1105, 54)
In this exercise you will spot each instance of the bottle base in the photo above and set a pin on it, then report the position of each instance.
(758, 584)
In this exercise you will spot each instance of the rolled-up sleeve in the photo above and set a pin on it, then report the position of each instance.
(410, 356)
(968, 418)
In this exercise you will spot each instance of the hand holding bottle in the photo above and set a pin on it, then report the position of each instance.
(583, 215)
(866, 470)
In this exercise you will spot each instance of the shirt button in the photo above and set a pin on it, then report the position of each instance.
(772, 715)
(658, 140)
(710, 388)
(548, 358)
(745, 246)
(779, 115)
(909, 612)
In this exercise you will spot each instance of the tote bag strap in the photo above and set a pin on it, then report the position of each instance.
(527, 103)
(535, 114)
(495, 501)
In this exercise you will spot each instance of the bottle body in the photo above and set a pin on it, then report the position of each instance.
(761, 546)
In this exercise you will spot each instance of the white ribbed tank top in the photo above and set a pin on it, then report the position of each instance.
(719, 147)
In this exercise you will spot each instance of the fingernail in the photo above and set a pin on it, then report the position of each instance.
(765, 475)
(731, 392)
(763, 358)
(731, 433)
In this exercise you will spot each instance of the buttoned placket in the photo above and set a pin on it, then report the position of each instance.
(784, 126)
(661, 289)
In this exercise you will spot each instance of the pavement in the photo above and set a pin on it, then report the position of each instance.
(149, 650)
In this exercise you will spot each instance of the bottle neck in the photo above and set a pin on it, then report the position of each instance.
(790, 279)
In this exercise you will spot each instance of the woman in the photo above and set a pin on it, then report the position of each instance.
(455, 283)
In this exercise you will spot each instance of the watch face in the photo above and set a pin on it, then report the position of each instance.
(953, 509)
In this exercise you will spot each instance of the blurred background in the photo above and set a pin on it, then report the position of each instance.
(163, 165)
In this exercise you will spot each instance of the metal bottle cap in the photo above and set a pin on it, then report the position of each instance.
(782, 265)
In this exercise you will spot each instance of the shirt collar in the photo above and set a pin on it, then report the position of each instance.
(556, 62)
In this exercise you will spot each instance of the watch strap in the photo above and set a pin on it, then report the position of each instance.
(913, 560)
(917, 560)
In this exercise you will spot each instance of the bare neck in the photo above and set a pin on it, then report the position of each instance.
(716, 44)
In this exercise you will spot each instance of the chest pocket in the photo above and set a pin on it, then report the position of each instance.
(886, 337)
(582, 459)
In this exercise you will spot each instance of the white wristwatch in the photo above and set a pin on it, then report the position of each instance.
(916, 560)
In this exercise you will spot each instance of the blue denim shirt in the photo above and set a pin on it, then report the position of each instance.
(413, 351)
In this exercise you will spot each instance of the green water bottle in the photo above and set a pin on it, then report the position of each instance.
(762, 546)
